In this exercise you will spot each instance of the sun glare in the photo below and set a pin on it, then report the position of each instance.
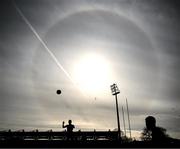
(92, 73)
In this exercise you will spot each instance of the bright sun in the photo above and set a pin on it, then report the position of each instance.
(92, 73)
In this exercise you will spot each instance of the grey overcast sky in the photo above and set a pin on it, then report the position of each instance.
(133, 43)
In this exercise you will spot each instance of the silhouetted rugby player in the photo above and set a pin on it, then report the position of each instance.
(69, 129)
(158, 135)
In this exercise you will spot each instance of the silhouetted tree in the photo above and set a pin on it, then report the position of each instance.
(123, 136)
(126, 139)
(146, 135)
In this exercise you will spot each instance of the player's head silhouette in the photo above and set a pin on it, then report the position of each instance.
(150, 122)
(70, 122)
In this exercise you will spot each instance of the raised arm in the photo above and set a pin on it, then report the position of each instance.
(63, 125)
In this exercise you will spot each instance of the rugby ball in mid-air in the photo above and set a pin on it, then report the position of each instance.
(58, 92)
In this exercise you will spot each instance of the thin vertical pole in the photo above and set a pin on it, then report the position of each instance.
(124, 121)
(118, 122)
(128, 117)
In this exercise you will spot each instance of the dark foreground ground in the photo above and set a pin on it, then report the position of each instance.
(83, 144)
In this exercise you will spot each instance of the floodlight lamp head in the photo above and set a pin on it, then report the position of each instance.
(114, 89)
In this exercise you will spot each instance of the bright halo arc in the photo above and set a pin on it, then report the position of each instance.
(92, 73)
